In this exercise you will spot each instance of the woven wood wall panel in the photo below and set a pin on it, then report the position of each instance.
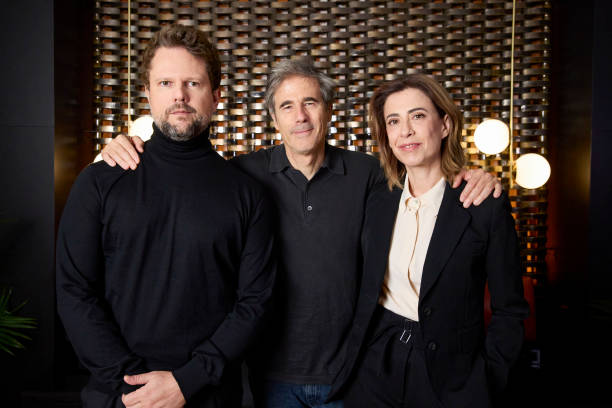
(465, 43)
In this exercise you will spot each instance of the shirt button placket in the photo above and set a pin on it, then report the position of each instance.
(307, 206)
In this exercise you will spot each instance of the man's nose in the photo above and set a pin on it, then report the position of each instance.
(302, 115)
(180, 94)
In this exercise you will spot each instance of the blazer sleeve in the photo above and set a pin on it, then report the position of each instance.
(509, 308)
(86, 315)
(238, 330)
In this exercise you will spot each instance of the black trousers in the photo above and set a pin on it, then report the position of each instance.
(391, 371)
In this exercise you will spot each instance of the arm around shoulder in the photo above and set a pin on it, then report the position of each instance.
(123, 150)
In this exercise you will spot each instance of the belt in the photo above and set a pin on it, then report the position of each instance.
(395, 328)
(409, 327)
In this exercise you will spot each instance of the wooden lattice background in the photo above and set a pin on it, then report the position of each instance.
(465, 43)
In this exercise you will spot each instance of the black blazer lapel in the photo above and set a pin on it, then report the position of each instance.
(376, 240)
(451, 222)
(382, 214)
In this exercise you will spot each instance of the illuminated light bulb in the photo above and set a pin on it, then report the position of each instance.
(532, 170)
(491, 136)
(142, 127)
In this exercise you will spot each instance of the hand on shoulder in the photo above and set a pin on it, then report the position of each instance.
(123, 150)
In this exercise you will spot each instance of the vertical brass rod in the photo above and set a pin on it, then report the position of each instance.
(511, 124)
(129, 61)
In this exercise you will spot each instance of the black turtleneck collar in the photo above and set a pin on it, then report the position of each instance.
(190, 149)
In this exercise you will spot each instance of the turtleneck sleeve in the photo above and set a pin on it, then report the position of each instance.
(167, 267)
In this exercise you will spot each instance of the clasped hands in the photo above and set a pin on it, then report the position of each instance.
(159, 390)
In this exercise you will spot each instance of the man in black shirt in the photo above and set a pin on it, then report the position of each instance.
(164, 273)
(320, 193)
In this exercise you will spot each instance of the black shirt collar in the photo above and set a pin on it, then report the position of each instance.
(278, 160)
(332, 160)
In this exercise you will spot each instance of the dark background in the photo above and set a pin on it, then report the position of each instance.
(46, 138)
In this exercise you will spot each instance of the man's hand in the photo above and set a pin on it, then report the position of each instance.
(122, 151)
(160, 390)
(479, 186)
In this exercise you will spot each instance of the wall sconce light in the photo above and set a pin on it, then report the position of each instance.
(532, 170)
(142, 127)
(492, 137)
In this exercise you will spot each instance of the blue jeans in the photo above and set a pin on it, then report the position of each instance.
(274, 394)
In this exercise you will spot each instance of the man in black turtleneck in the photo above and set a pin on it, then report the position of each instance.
(164, 273)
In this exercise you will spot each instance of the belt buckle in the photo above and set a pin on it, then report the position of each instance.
(406, 335)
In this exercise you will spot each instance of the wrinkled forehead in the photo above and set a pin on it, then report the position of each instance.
(297, 88)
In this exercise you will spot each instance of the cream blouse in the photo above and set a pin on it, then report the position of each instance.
(414, 225)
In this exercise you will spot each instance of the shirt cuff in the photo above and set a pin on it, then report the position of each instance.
(204, 368)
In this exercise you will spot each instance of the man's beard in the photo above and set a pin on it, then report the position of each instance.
(193, 129)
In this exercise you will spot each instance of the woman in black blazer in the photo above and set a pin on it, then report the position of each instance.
(419, 338)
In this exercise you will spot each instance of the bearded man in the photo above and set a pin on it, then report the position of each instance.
(164, 273)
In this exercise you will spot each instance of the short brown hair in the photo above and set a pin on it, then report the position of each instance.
(453, 158)
(193, 40)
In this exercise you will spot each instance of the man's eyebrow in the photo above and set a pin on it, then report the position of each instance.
(307, 99)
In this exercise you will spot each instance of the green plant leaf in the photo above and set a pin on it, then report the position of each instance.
(6, 349)
(22, 323)
(9, 324)
(13, 333)
(9, 341)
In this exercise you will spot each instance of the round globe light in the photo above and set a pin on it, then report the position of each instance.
(491, 136)
(532, 170)
(142, 127)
